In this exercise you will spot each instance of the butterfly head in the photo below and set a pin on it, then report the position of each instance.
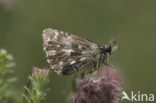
(110, 48)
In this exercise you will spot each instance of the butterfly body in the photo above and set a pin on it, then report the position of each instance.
(67, 53)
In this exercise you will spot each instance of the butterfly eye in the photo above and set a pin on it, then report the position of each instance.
(114, 49)
(112, 46)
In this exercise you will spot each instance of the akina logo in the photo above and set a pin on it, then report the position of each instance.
(138, 96)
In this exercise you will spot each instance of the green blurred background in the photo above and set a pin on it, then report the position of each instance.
(131, 22)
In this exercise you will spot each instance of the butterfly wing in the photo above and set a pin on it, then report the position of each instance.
(67, 53)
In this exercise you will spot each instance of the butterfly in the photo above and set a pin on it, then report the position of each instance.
(67, 53)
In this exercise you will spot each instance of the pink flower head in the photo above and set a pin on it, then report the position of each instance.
(103, 89)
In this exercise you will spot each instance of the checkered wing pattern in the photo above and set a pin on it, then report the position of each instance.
(67, 53)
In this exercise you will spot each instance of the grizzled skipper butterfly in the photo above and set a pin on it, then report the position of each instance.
(67, 53)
